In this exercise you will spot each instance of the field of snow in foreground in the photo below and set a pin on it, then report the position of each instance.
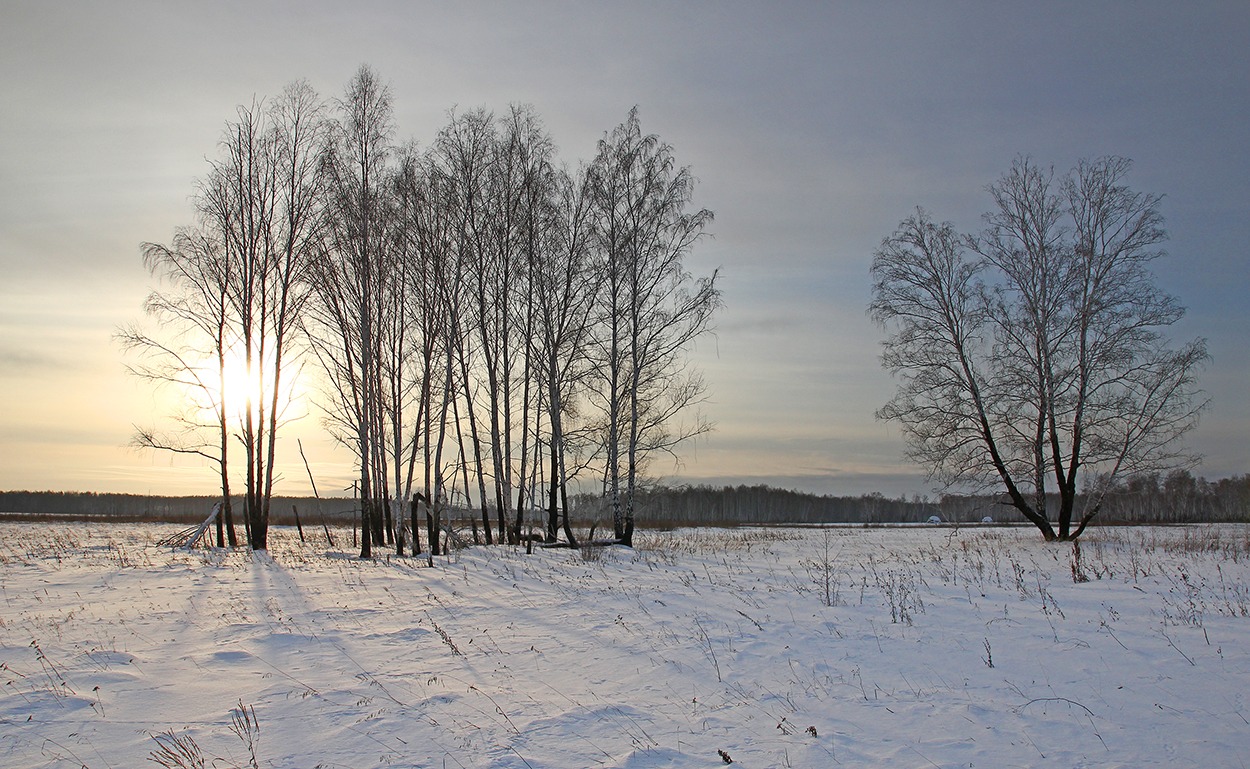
(934, 647)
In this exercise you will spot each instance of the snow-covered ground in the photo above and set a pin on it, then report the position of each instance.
(929, 647)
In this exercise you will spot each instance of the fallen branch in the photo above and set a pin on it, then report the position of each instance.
(188, 537)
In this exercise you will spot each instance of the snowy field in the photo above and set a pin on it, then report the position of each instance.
(918, 647)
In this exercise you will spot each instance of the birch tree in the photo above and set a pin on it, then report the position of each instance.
(565, 284)
(356, 289)
(462, 157)
(192, 353)
(651, 308)
(524, 191)
(244, 272)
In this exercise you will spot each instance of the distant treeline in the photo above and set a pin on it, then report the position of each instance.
(142, 507)
(1178, 497)
(668, 507)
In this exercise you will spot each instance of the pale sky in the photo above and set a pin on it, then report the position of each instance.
(814, 128)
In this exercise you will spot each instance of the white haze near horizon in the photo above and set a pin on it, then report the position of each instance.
(813, 128)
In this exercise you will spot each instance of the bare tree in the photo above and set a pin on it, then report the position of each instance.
(262, 199)
(241, 281)
(525, 192)
(651, 308)
(419, 242)
(196, 319)
(1035, 351)
(462, 155)
(430, 228)
(357, 290)
(294, 240)
(565, 283)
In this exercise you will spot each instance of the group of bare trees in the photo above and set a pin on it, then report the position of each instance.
(1034, 355)
(490, 324)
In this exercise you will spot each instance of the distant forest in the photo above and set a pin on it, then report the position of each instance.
(146, 507)
(1178, 497)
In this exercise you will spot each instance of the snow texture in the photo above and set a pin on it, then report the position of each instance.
(903, 647)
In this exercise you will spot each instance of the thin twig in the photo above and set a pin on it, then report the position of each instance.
(1056, 699)
(1177, 648)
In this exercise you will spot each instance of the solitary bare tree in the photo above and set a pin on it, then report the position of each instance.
(1033, 355)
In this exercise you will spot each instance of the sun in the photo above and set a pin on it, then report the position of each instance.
(242, 385)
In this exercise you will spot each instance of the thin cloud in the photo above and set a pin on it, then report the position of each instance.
(20, 362)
